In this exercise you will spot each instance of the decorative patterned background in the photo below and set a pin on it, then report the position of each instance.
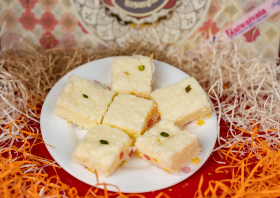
(42, 22)
(51, 23)
(114, 27)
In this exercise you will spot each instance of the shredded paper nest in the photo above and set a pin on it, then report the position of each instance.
(245, 93)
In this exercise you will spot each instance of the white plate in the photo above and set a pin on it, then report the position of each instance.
(136, 175)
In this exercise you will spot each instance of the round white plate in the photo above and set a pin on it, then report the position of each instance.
(136, 175)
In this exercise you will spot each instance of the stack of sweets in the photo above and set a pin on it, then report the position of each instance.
(129, 114)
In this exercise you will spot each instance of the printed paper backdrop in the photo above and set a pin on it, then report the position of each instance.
(42, 22)
(264, 38)
(50, 23)
(173, 23)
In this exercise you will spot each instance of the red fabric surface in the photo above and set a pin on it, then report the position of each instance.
(185, 189)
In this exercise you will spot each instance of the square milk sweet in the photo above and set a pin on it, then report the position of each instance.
(102, 149)
(82, 102)
(132, 75)
(182, 102)
(132, 114)
(167, 146)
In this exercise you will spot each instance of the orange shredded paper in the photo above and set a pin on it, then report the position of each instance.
(256, 175)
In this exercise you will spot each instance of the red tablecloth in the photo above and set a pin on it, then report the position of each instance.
(185, 189)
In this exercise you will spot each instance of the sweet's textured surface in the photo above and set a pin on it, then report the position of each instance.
(82, 102)
(170, 152)
(104, 158)
(130, 113)
(129, 75)
(182, 102)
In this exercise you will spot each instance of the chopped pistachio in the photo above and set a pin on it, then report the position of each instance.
(164, 134)
(141, 67)
(188, 88)
(85, 96)
(103, 141)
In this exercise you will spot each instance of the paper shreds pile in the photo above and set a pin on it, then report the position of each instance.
(26, 178)
(247, 90)
(256, 175)
(242, 91)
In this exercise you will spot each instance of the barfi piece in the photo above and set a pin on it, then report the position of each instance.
(132, 75)
(102, 149)
(167, 147)
(131, 114)
(182, 102)
(83, 103)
